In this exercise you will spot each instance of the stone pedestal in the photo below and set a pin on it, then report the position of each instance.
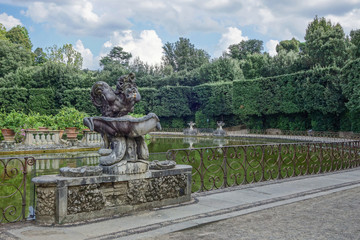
(127, 167)
(75, 199)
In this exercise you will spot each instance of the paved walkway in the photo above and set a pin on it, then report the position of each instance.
(323, 206)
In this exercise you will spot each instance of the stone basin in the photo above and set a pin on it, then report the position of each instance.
(126, 126)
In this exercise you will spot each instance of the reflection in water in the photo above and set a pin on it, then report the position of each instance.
(50, 163)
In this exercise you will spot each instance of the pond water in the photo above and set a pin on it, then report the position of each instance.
(50, 163)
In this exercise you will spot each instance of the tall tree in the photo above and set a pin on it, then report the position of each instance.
(288, 45)
(355, 40)
(19, 35)
(241, 50)
(39, 56)
(66, 55)
(117, 55)
(2, 32)
(13, 56)
(182, 55)
(325, 43)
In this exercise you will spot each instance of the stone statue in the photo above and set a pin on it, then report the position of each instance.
(219, 132)
(191, 130)
(125, 150)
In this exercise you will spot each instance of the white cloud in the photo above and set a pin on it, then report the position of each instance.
(147, 45)
(232, 35)
(271, 47)
(9, 21)
(349, 21)
(88, 58)
(281, 19)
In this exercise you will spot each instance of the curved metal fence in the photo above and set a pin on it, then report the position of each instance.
(14, 190)
(221, 167)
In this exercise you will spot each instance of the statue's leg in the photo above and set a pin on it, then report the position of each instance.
(118, 146)
(142, 148)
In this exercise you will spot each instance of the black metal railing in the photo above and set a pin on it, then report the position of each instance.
(221, 167)
(14, 190)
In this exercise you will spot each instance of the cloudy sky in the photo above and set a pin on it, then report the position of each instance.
(142, 27)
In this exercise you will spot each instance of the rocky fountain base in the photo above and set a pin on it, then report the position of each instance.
(75, 198)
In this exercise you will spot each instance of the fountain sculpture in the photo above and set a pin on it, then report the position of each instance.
(219, 132)
(125, 150)
(124, 181)
(191, 130)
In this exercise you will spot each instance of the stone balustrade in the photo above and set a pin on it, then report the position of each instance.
(91, 138)
(42, 137)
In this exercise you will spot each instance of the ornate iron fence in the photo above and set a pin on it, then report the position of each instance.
(221, 167)
(13, 188)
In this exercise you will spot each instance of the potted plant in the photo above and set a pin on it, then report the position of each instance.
(70, 119)
(12, 122)
(32, 121)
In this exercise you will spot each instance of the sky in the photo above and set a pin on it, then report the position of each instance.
(142, 27)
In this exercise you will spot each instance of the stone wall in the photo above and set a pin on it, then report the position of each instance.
(65, 200)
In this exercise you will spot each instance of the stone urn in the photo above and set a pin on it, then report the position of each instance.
(71, 133)
(9, 134)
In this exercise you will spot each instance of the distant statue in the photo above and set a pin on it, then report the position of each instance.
(191, 130)
(219, 132)
(123, 134)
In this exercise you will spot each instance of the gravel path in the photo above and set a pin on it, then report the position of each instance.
(332, 217)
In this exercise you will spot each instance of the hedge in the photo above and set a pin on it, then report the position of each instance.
(14, 99)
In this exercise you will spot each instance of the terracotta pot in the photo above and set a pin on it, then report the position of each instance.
(43, 128)
(9, 134)
(71, 133)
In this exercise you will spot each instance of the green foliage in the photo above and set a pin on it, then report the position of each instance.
(33, 121)
(323, 122)
(117, 55)
(40, 57)
(325, 43)
(41, 100)
(79, 98)
(173, 102)
(19, 35)
(14, 120)
(203, 121)
(2, 32)
(13, 56)
(13, 99)
(70, 117)
(214, 99)
(65, 55)
(288, 45)
(147, 102)
(293, 122)
(178, 123)
(222, 69)
(255, 65)
(355, 40)
(182, 55)
(241, 50)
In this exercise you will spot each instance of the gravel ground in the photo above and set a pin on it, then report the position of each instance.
(332, 217)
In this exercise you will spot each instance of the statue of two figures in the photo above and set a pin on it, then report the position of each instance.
(125, 150)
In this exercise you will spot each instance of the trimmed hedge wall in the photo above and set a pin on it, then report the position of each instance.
(320, 99)
(14, 99)
(79, 98)
(41, 100)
